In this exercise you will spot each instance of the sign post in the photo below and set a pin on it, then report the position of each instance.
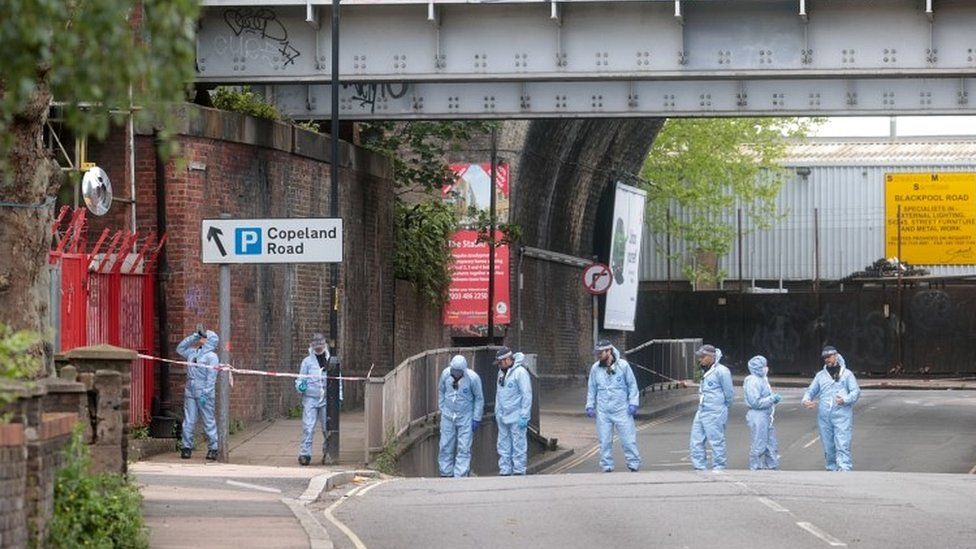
(285, 240)
(596, 280)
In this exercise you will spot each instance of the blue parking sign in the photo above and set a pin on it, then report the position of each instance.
(247, 240)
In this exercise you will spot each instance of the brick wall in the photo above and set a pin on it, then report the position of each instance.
(418, 325)
(13, 486)
(254, 168)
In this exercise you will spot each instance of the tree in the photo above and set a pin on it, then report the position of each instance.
(704, 168)
(424, 223)
(92, 57)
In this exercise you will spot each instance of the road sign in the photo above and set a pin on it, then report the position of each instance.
(284, 240)
(597, 278)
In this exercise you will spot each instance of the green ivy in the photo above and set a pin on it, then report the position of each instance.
(423, 254)
(424, 225)
(101, 510)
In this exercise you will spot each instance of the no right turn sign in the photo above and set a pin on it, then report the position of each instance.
(597, 278)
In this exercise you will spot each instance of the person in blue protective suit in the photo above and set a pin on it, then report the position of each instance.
(513, 406)
(764, 450)
(714, 400)
(836, 389)
(612, 398)
(312, 385)
(462, 402)
(200, 390)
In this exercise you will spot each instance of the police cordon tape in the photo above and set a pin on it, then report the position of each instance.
(244, 371)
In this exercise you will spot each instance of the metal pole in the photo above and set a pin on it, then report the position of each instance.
(816, 249)
(332, 395)
(223, 386)
(491, 239)
(518, 305)
(739, 228)
(596, 320)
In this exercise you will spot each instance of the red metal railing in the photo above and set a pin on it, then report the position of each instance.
(108, 296)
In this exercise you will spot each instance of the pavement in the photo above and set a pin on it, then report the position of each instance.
(262, 497)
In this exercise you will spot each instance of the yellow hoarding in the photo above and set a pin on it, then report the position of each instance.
(937, 220)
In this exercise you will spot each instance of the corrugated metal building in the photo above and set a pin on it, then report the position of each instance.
(841, 179)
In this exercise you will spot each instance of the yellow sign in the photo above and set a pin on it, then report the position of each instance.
(936, 221)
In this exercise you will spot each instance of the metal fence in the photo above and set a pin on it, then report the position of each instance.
(408, 395)
(663, 360)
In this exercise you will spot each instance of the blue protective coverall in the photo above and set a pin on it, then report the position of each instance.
(314, 404)
(610, 395)
(836, 421)
(714, 400)
(459, 407)
(513, 406)
(200, 390)
(764, 450)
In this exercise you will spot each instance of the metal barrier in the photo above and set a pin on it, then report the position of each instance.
(408, 395)
(663, 360)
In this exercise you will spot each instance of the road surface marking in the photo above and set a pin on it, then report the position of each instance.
(582, 458)
(773, 505)
(358, 543)
(362, 492)
(973, 470)
(824, 536)
(254, 487)
(318, 538)
(812, 442)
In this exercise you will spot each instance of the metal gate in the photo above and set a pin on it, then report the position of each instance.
(107, 295)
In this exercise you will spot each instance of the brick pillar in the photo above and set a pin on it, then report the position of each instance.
(109, 402)
(13, 486)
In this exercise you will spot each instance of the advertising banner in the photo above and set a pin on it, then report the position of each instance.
(625, 244)
(937, 223)
(468, 301)
(467, 307)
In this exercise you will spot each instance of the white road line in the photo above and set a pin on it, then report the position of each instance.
(318, 537)
(369, 487)
(824, 536)
(254, 487)
(773, 505)
(812, 442)
(358, 543)
(973, 470)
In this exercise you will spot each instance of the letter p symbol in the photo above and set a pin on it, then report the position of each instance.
(247, 240)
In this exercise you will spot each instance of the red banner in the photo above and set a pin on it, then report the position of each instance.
(468, 300)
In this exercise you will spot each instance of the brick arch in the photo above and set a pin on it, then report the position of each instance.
(563, 171)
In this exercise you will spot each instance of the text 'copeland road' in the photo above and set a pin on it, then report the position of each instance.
(286, 240)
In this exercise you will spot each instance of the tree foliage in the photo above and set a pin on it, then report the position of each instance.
(705, 168)
(19, 360)
(424, 222)
(244, 101)
(88, 53)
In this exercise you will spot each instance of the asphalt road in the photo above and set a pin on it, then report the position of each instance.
(735, 509)
(894, 430)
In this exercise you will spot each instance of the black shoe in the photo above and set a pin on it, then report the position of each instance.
(211, 455)
(185, 453)
(304, 460)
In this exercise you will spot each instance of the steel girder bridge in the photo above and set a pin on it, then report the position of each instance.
(431, 59)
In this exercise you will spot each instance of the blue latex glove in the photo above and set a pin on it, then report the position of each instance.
(631, 409)
(474, 425)
(202, 401)
(776, 398)
(302, 386)
(523, 422)
(590, 412)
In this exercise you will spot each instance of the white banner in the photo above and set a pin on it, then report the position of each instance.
(625, 245)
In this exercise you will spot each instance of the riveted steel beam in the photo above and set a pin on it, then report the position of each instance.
(615, 99)
(280, 41)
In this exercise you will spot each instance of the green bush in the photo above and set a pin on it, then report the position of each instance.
(94, 510)
(19, 361)
(244, 101)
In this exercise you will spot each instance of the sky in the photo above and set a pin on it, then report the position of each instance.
(880, 126)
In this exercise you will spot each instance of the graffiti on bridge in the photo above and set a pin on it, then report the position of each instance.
(264, 24)
(367, 94)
